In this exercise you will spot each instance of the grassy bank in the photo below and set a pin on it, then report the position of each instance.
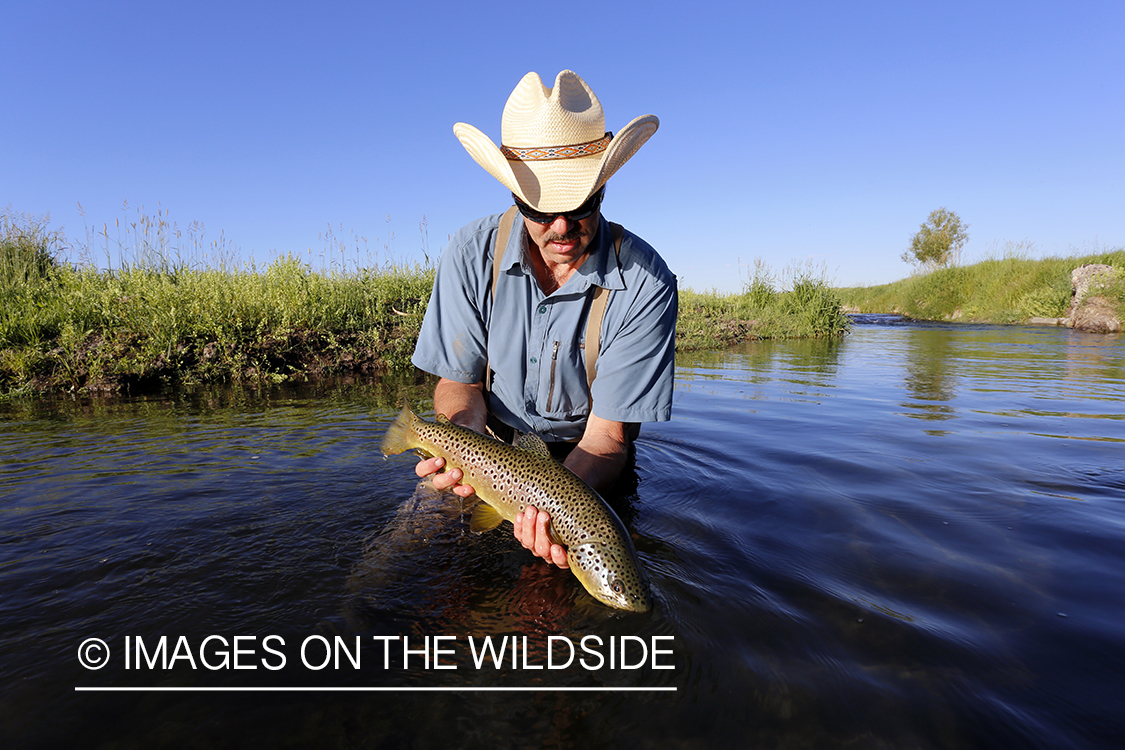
(1011, 288)
(159, 315)
(798, 304)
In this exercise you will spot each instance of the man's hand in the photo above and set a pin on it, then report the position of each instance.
(530, 528)
(443, 480)
(463, 404)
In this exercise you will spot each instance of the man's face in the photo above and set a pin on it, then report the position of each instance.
(565, 237)
(563, 240)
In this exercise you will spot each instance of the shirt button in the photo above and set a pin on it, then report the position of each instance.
(542, 309)
(534, 360)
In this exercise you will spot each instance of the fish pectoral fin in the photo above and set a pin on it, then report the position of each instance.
(485, 518)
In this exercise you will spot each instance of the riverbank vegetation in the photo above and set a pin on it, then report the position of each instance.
(1009, 287)
(162, 307)
(798, 303)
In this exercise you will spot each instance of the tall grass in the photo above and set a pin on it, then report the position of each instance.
(28, 249)
(159, 313)
(798, 303)
(1008, 287)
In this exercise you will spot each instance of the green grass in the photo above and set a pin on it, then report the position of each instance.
(799, 305)
(158, 318)
(1010, 288)
(164, 308)
(28, 249)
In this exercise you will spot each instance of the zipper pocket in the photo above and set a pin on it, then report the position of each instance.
(551, 387)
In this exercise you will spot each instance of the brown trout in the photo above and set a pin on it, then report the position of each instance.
(508, 478)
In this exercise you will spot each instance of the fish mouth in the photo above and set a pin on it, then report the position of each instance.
(639, 605)
(634, 603)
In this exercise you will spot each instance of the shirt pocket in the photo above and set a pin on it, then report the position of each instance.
(564, 391)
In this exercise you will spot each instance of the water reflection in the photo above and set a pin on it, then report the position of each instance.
(753, 358)
(928, 379)
(1094, 360)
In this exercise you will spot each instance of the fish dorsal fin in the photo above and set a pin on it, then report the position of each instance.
(529, 441)
(485, 518)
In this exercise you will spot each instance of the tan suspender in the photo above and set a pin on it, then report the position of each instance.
(594, 336)
(502, 234)
(597, 307)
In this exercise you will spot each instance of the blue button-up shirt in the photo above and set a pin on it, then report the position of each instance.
(535, 343)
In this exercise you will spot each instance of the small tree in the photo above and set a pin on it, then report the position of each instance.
(939, 241)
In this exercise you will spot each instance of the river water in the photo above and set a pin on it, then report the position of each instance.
(913, 537)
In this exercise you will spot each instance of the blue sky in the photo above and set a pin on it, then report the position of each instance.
(791, 132)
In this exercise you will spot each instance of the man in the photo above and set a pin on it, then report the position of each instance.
(509, 340)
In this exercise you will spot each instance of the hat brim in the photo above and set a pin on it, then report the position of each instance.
(557, 184)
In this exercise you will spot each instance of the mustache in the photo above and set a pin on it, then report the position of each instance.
(571, 236)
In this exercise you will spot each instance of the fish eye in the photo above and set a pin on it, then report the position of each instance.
(617, 586)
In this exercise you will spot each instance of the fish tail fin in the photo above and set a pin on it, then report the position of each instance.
(400, 436)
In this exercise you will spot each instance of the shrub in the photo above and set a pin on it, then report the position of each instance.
(939, 240)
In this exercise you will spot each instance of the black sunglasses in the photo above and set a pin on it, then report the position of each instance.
(585, 210)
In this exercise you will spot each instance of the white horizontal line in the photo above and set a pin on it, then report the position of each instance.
(372, 689)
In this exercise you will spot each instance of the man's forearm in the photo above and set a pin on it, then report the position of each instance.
(463, 403)
(602, 453)
(599, 470)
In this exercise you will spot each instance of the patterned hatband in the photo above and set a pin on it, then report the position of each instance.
(544, 153)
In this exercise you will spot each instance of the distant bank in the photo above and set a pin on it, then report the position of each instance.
(1011, 289)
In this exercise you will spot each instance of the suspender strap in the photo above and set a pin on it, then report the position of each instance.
(597, 314)
(502, 235)
(597, 306)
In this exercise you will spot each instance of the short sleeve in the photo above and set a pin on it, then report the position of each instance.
(453, 342)
(636, 365)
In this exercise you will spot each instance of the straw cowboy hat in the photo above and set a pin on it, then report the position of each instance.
(555, 150)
